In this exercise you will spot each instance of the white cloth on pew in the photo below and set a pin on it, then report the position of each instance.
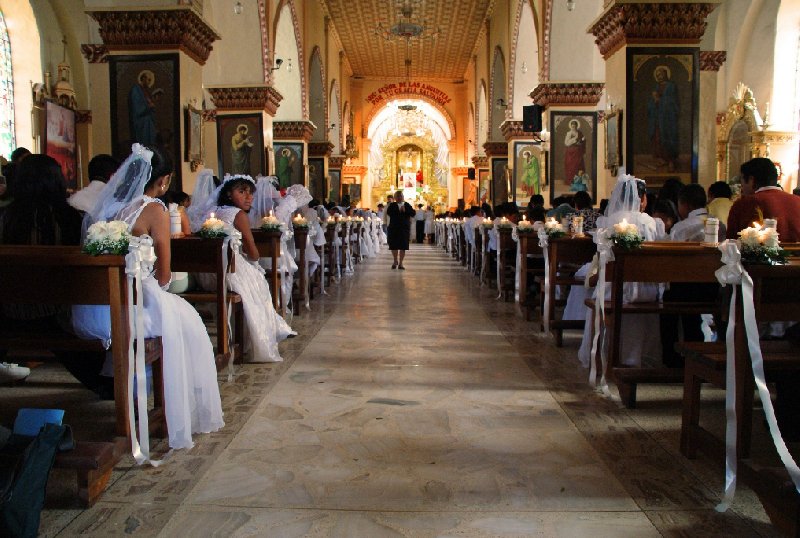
(191, 393)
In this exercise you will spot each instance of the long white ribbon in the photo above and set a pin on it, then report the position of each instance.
(544, 242)
(733, 273)
(233, 241)
(515, 237)
(138, 265)
(605, 255)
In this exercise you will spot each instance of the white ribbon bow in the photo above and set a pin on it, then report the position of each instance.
(605, 254)
(544, 241)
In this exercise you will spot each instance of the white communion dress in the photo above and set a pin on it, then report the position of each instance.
(265, 326)
(191, 392)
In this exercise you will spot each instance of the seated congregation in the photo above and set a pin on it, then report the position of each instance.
(142, 338)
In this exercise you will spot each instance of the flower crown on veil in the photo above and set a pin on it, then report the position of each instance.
(233, 177)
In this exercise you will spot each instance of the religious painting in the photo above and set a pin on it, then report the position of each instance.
(500, 180)
(240, 144)
(662, 119)
(613, 121)
(573, 153)
(470, 192)
(289, 163)
(59, 141)
(193, 136)
(484, 186)
(316, 177)
(351, 189)
(145, 108)
(334, 185)
(529, 170)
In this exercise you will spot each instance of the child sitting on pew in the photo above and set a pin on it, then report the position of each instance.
(230, 202)
(191, 393)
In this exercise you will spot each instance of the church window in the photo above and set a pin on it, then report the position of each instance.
(7, 139)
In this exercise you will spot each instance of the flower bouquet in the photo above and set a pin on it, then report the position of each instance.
(212, 228)
(553, 228)
(759, 244)
(524, 226)
(270, 223)
(626, 235)
(107, 238)
(299, 222)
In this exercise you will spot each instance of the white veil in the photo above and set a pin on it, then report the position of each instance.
(625, 201)
(264, 199)
(296, 196)
(126, 184)
(206, 196)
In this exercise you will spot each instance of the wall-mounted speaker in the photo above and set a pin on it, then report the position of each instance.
(470, 173)
(532, 118)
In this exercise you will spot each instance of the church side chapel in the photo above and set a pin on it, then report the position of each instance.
(420, 268)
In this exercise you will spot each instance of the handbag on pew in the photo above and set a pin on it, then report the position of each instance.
(25, 463)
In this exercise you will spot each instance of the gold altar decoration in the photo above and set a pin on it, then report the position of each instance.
(394, 161)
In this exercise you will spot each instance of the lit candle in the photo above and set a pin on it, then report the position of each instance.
(212, 215)
(524, 217)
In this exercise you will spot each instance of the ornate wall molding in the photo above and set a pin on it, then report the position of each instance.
(712, 60)
(209, 115)
(293, 130)
(567, 93)
(495, 149)
(547, 30)
(83, 116)
(480, 161)
(354, 170)
(266, 57)
(625, 24)
(320, 149)
(147, 29)
(245, 98)
(336, 162)
(460, 171)
(513, 129)
(95, 53)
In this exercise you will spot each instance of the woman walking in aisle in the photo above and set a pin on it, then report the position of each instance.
(400, 214)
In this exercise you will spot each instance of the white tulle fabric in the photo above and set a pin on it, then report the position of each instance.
(265, 327)
(191, 393)
(265, 199)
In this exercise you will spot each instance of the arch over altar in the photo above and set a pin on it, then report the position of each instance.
(409, 123)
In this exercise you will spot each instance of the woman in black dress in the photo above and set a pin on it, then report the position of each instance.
(399, 229)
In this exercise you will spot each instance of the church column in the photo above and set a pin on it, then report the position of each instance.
(251, 105)
(173, 44)
(652, 76)
(566, 104)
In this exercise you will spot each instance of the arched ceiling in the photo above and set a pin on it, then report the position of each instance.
(444, 58)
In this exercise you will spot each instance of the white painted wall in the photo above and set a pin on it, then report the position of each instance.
(285, 81)
(574, 56)
(527, 52)
(236, 58)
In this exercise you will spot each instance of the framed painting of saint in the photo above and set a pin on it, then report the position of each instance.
(662, 117)
(529, 170)
(289, 163)
(145, 108)
(334, 185)
(59, 141)
(573, 153)
(484, 186)
(316, 178)
(500, 180)
(240, 144)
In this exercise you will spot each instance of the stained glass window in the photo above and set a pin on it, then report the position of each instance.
(7, 139)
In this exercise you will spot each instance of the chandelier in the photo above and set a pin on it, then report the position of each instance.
(406, 28)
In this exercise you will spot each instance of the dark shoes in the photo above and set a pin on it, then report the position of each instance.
(394, 266)
(401, 267)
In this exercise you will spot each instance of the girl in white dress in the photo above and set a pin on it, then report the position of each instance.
(230, 203)
(191, 394)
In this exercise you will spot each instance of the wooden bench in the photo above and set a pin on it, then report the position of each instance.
(565, 256)
(487, 258)
(507, 254)
(654, 262)
(200, 255)
(63, 275)
(301, 288)
(529, 246)
(269, 246)
(776, 297)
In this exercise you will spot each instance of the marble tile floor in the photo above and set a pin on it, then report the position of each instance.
(415, 404)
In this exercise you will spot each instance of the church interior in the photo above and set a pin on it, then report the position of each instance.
(424, 403)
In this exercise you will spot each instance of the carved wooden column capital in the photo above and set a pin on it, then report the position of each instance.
(480, 161)
(320, 149)
(496, 149)
(95, 53)
(248, 97)
(567, 93)
(712, 60)
(293, 130)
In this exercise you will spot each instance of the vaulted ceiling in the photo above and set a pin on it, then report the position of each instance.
(441, 59)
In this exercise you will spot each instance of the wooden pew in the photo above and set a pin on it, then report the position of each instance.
(300, 240)
(487, 258)
(478, 255)
(565, 255)
(269, 246)
(529, 246)
(507, 253)
(63, 275)
(200, 255)
(653, 262)
(330, 252)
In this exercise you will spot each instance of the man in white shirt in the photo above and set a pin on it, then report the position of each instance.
(419, 221)
(101, 168)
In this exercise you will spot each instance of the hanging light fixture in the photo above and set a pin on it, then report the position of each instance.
(238, 8)
(570, 5)
(406, 28)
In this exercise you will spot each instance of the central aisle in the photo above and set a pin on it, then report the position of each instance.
(409, 414)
